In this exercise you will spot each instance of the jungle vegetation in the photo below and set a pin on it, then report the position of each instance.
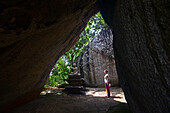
(62, 68)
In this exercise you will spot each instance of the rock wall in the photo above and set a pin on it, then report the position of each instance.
(142, 51)
(33, 35)
(97, 57)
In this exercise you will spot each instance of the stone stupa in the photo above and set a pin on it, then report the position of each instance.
(75, 81)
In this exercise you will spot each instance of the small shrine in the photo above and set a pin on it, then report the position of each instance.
(75, 81)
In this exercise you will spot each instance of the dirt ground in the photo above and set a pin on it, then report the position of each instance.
(54, 100)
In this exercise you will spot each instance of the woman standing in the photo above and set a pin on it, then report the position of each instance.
(106, 80)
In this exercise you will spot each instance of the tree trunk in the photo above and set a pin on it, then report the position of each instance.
(141, 45)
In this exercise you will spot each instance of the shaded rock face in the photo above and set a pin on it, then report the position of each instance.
(33, 35)
(141, 48)
(97, 57)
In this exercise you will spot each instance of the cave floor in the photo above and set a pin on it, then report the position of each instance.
(53, 100)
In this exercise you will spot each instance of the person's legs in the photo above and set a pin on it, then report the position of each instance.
(107, 89)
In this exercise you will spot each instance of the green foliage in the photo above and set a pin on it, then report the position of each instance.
(62, 69)
(59, 73)
(94, 26)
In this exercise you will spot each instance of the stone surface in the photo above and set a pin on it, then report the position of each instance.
(142, 51)
(55, 101)
(33, 35)
(97, 57)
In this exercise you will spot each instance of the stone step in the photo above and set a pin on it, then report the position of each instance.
(79, 83)
(74, 89)
(73, 76)
(75, 82)
(75, 79)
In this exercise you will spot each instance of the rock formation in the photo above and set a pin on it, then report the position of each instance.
(142, 51)
(97, 57)
(33, 35)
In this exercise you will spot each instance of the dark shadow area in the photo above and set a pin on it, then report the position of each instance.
(120, 108)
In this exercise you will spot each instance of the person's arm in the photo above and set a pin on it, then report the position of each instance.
(107, 78)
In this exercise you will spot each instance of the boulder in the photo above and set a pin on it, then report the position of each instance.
(142, 51)
(97, 57)
(33, 35)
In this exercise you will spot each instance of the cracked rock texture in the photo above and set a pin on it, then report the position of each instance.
(97, 57)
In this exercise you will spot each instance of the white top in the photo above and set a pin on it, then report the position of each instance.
(106, 75)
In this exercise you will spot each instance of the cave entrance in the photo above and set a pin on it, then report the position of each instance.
(92, 54)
